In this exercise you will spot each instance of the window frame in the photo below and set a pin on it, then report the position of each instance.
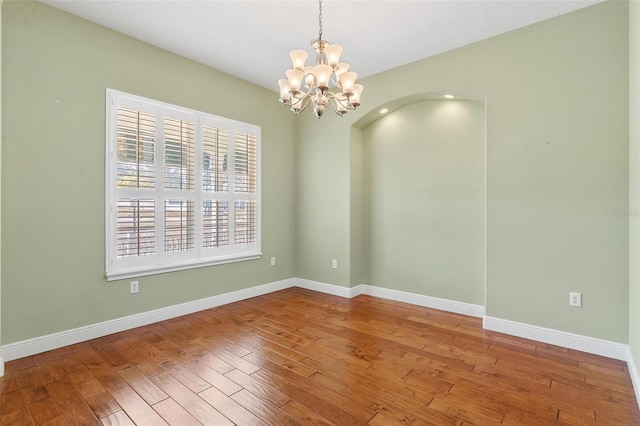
(161, 261)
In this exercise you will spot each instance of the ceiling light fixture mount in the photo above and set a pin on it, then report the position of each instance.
(328, 73)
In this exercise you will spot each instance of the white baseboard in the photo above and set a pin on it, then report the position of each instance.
(396, 295)
(560, 338)
(633, 373)
(422, 300)
(1, 367)
(69, 337)
(333, 289)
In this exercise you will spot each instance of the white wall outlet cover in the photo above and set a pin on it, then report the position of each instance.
(575, 299)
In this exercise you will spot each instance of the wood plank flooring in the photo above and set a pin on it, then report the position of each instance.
(297, 357)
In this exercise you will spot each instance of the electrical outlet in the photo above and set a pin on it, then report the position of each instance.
(575, 299)
(334, 264)
(134, 287)
(273, 261)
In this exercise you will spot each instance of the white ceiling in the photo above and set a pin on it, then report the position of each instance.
(252, 39)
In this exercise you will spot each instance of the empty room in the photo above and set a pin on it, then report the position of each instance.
(429, 214)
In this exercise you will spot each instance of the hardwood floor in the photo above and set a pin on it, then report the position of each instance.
(297, 357)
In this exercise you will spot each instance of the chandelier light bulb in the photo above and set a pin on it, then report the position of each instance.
(323, 74)
(342, 67)
(284, 90)
(355, 96)
(333, 52)
(347, 80)
(298, 58)
(294, 78)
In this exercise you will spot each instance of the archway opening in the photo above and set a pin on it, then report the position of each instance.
(423, 189)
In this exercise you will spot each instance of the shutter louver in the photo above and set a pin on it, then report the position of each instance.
(215, 224)
(215, 149)
(245, 222)
(245, 167)
(179, 154)
(179, 225)
(135, 227)
(135, 149)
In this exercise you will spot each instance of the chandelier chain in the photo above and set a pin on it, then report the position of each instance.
(320, 19)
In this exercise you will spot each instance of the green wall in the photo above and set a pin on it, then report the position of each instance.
(425, 186)
(1, 133)
(323, 199)
(360, 267)
(557, 167)
(634, 181)
(56, 68)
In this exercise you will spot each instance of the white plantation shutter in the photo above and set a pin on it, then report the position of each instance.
(245, 163)
(179, 154)
(215, 179)
(135, 148)
(135, 227)
(215, 147)
(179, 225)
(182, 188)
(245, 224)
(215, 223)
(245, 166)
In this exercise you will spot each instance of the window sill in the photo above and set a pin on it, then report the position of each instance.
(145, 271)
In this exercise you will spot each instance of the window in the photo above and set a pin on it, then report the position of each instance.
(182, 188)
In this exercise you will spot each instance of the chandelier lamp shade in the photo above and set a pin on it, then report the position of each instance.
(327, 83)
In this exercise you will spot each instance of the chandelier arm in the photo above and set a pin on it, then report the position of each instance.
(305, 101)
(332, 102)
(345, 104)
(298, 100)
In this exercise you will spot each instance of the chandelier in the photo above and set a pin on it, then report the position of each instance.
(329, 82)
